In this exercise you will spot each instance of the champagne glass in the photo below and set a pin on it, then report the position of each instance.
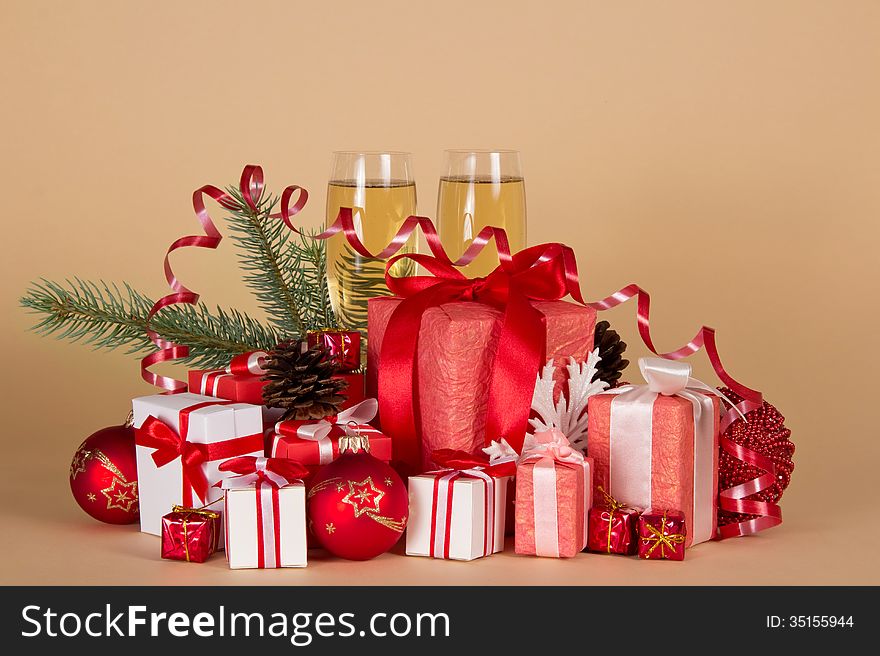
(380, 189)
(481, 188)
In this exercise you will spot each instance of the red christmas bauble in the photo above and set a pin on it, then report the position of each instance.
(358, 506)
(103, 475)
(764, 431)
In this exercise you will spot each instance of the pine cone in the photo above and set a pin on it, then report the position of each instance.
(300, 380)
(611, 349)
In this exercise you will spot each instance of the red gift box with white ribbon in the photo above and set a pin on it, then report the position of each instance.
(242, 381)
(313, 443)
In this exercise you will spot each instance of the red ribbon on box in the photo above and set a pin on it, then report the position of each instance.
(249, 365)
(251, 187)
(169, 444)
(462, 465)
(266, 476)
(323, 432)
(535, 274)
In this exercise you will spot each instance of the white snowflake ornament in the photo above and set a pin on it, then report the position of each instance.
(568, 415)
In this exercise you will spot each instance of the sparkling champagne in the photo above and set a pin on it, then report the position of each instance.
(466, 204)
(379, 207)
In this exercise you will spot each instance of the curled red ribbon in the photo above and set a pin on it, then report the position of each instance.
(251, 186)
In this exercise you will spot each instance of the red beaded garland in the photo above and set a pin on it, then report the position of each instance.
(764, 431)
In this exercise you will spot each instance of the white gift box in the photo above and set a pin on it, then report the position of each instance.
(472, 504)
(266, 526)
(214, 425)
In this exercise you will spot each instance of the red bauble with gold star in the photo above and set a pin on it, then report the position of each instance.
(103, 475)
(358, 505)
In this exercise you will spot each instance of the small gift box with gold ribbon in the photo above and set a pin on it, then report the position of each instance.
(612, 526)
(190, 534)
(662, 534)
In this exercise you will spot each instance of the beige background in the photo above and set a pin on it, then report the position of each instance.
(724, 155)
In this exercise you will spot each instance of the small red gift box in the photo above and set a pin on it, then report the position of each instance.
(313, 443)
(344, 346)
(190, 534)
(613, 527)
(662, 534)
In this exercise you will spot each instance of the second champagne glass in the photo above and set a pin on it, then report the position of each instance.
(481, 188)
(380, 189)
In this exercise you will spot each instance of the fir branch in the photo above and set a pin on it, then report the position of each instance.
(106, 316)
(286, 275)
(310, 282)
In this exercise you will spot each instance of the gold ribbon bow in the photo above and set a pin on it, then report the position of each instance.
(661, 539)
(200, 512)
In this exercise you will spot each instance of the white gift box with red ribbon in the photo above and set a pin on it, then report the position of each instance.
(456, 514)
(213, 431)
(265, 516)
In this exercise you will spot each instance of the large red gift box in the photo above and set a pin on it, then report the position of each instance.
(457, 344)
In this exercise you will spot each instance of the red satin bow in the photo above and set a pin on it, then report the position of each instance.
(263, 468)
(535, 274)
(156, 434)
(462, 460)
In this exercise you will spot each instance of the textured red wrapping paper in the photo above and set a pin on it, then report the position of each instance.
(672, 453)
(570, 511)
(457, 343)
